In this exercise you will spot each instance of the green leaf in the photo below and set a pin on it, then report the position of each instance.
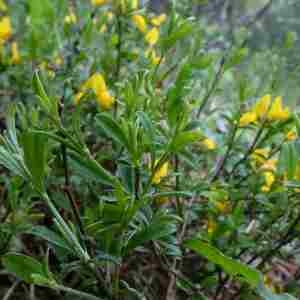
(236, 57)
(175, 104)
(50, 236)
(89, 167)
(202, 62)
(183, 139)
(23, 266)
(49, 105)
(113, 129)
(160, 226)
(230, 266)
(288, 160)
(41, 10)
(180, 32)
(35, 147)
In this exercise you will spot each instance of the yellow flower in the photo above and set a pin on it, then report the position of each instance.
(260, 155)
(153, 57)
(269, 165)
(157, 21)
(211, 226)
(277, 112)
(98, 2)
(5, 29)
(262, 106)
(247, 118)
(96, 83)
(160, 173)
(71, 18)
(152, 36)
(15, 55)
(291, 136)
(140, 22)
(105, 100)
(209, 144)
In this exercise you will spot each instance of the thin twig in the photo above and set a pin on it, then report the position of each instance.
(11, 290)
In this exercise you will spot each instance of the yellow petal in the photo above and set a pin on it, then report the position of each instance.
(5, 29)
(209, 144)
(269, 165)
(78, 97)
(152, 36)
(262, 106)
(269, 178)
(277, 113)
(15, 55)
(291, 135)
(140, 22)
(247, 118)
(160, 173)
(105, 100)
(157, 21)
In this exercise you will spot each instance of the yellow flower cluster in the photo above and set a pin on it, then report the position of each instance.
(260, 157)
(96, 83)
(6, 32)
(265, 109)
(160, 173)
(151, 35)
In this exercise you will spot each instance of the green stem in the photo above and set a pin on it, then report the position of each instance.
(119, 56)
(80, 294)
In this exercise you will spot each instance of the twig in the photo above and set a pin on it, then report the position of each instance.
(171, 293)
(213, 85)
(119, 55)
(11, 290)
(80, 294)
(226, 156)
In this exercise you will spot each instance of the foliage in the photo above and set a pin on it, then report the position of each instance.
(139, 160)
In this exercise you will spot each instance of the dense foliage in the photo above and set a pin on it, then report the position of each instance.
(146, 155)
